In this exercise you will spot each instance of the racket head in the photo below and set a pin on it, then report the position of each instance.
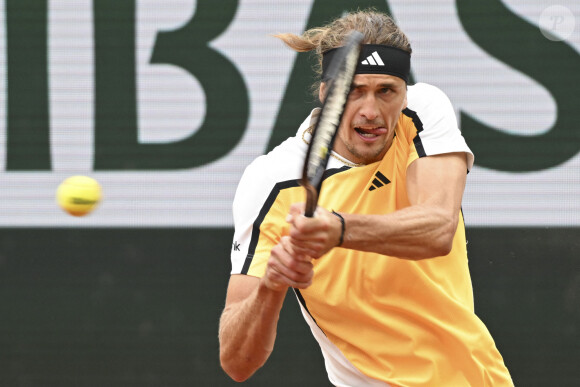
(341, 73)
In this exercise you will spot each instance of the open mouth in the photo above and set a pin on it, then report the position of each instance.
(370, 133)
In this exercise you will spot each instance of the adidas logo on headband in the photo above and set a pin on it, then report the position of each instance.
(374, 60)
(380, 59)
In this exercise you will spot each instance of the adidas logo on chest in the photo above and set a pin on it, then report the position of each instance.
(379, 181)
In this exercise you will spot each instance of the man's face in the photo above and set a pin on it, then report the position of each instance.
(368, 123)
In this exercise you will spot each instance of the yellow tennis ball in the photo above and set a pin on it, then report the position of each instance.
(78, 195)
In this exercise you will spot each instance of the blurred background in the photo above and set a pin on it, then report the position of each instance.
(165, 102)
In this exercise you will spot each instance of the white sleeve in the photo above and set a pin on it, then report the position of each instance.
(440, 133)
(251, 195)
(283, 163)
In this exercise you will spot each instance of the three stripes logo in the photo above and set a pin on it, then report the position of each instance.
(373, 60)
(379, 181)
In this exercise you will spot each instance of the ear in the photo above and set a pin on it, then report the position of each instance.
(405, 102)
(322, 91)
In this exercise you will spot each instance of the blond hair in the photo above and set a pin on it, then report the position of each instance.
(376, 27)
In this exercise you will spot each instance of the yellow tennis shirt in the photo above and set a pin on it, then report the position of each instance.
(379, 320)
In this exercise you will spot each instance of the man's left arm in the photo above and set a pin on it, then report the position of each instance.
(425, 229)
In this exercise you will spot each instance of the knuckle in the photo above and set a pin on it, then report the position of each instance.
(276, 250)
(293, 264)
(303, 285)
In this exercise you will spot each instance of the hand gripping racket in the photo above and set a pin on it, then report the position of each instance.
(340, 73)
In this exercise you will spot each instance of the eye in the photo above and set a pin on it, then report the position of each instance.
(354, 92)
(385, 90)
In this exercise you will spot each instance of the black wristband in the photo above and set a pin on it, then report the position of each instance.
(342, 229)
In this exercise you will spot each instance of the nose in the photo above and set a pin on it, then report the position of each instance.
(369, 108)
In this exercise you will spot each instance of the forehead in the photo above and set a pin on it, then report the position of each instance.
(372, 80)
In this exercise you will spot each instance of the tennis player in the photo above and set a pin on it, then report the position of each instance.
(381, 270)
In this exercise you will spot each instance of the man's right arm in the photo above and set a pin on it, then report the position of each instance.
(248, 325)
(250, 318)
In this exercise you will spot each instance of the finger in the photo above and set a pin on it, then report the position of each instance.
(306, 250)
(297, 208)
(302, 228)
(292, 268)
(308, 239)
(297, 252)
(287, 257)
(312, 226)
(302, 253)
(281, 275)
(278, 282)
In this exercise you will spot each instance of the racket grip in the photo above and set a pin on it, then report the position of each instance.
(311, 201)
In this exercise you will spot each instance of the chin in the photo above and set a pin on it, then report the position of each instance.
(369, 156)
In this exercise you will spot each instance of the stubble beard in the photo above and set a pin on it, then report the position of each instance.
(370, 156)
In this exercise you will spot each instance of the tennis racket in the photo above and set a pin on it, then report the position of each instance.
(340, 73)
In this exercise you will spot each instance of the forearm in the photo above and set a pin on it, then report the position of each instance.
(248, 330)
(414, 232)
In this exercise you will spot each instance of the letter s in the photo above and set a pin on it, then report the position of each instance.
(552, 64)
